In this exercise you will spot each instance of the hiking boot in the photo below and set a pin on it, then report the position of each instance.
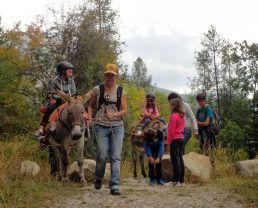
(152, 182)
(160, 182)
(115, 192)
(98, 184)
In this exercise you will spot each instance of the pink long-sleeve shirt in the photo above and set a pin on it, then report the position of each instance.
(176, 127)
(150, 111)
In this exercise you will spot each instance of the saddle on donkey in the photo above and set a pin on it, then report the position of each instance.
(158, 124)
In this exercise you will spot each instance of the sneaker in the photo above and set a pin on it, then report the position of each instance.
(52, 126)
(183, 184)
(173, 184)
(98, 184)
(176, 184)
(138, 133)
(160, 182)
(115, 192)
(152, 182)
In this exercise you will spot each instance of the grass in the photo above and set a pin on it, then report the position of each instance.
(24, 191)
(224, 174)
(18, 190)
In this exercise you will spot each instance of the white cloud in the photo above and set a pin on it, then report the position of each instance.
(164, 33)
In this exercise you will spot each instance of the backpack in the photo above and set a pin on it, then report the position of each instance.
(103, 100)
(217, 123)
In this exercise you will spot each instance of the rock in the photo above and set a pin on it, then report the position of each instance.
(248, 168)
(196, 165)
(29, 168)
(89, 171)
(167, 168)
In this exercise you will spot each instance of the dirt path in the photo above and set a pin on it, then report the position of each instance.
(137, 193)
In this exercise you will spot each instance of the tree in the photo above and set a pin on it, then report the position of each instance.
(140, 74)
(212, 43)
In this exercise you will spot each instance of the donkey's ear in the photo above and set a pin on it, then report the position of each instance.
(64, 96)
(87, 96)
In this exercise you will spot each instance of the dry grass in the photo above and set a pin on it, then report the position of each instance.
(18, 190)
(22, 191)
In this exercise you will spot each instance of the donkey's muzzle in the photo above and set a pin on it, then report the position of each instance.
(76, 136)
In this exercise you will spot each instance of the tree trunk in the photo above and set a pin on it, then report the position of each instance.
(216, 80)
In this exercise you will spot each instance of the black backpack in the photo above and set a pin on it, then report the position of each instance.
(106, 102)
(216, 121)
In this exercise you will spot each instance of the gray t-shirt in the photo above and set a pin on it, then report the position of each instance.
(189, 117)
(100, 117)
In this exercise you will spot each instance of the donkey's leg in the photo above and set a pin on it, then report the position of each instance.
(134, 158)
(65, 162)
(142, 165)
(57, 153)
(80, 159)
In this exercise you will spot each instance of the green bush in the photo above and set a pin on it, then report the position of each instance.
(232, 137)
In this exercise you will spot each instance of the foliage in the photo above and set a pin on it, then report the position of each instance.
(140, 74)
(228, 74)
(232, 137)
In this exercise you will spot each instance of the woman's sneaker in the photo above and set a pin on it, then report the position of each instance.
(160, 182)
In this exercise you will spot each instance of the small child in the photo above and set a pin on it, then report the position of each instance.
(175, 142)
(154, 148)
(150, 112)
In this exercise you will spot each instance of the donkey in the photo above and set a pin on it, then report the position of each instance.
(70, 129)
(137, 144)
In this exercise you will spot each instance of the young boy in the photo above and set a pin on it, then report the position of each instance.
(154, 148)
(204, 116)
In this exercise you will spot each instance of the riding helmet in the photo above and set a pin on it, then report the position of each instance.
(150, 96)
(63, 66)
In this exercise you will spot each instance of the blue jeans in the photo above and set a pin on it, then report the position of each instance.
(187, 137)
(146, 122)
(110, 146)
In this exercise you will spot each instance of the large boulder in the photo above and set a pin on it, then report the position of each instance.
(29, 168)
(196, 166)
(89, 171)
(248, 168)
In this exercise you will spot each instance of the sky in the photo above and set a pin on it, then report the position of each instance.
(163, 33)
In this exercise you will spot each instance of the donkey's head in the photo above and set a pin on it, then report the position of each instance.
(75, 113)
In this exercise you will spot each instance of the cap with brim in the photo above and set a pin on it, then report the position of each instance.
(111, 69)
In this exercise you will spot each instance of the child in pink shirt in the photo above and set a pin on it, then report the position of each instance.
(174, 142)
(150, 112)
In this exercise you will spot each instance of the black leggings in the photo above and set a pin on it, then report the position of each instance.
(176, 155)
(48, 112)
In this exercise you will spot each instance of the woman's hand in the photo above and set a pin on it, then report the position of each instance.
(111, 115)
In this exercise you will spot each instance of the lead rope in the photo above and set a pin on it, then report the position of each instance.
(69, 90)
